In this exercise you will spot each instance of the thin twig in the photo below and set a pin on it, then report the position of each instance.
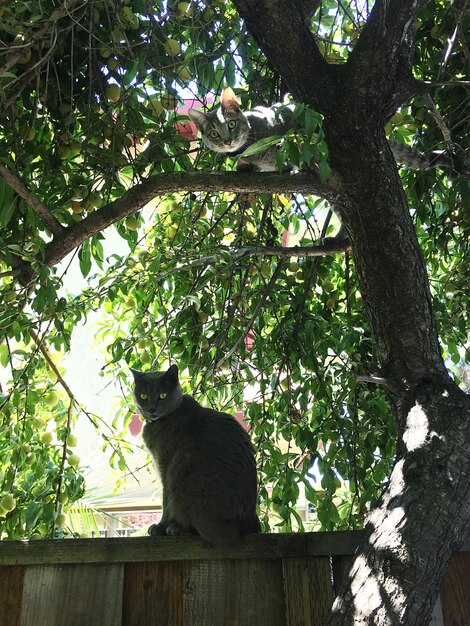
(439, 121)
(73, 401)
(51, 364)
(377, 380)
(259, 251)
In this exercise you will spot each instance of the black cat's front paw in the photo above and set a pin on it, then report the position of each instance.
(157, 530)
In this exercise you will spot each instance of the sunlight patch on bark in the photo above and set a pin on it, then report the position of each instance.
(417, 428)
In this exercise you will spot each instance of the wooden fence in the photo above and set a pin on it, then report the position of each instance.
(268, 580)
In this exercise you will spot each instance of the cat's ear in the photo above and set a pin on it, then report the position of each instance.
(229, 99)
(198, 117)
(136, 373)
(172, 374)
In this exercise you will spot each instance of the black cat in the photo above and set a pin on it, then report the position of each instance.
(205, 460)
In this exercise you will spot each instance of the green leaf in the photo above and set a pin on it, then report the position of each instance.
(7, 203)
(325, 170)
(85, 259)
(261, 145)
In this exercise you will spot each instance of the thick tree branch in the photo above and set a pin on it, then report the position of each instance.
(38, 207)
(279, 28)
(388, 31)
(139, 195)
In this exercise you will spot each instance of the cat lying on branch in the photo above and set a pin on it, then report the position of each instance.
(229, 130)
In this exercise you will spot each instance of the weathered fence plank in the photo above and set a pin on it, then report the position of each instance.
(234, 593)
(455, 594)
(75, 595)
(154, 593)
(308, 591)
(11, 591)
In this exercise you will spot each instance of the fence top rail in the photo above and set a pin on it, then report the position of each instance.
(140, 549)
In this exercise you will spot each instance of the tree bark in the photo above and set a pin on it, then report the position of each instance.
(424, 513)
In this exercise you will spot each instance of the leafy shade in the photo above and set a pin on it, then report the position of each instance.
(90, 93)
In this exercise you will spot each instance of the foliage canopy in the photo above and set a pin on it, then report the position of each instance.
(90, 93)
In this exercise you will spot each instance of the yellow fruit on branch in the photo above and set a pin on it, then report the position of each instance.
(113, 92)
(132, 223)
(183, 73)
(172, 47)
(184, 9)
(169, 101)
(155, 105)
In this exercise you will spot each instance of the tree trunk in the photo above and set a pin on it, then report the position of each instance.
(424, 514)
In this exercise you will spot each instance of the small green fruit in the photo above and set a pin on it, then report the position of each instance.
(183, 73)
(60, 520)
(155, 105)
(10, 296)
(184, 8)
(172, 47)
(45, 438)
(105, 53)
(169, 101)
(51, 399)
(35, 537)
(73, 460)
(129, 19)
(71, 441)
(8, 503)
(170, 232)
(113, 92)
(112, 63)
(132, 223)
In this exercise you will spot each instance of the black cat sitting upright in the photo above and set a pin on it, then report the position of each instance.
(205, 461)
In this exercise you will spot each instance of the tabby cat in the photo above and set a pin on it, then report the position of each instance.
(229, 130)
(205, 460)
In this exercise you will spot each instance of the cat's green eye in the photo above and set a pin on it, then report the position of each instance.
(143, 396)
(213, 134)
(232, 124)
(162, 396)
